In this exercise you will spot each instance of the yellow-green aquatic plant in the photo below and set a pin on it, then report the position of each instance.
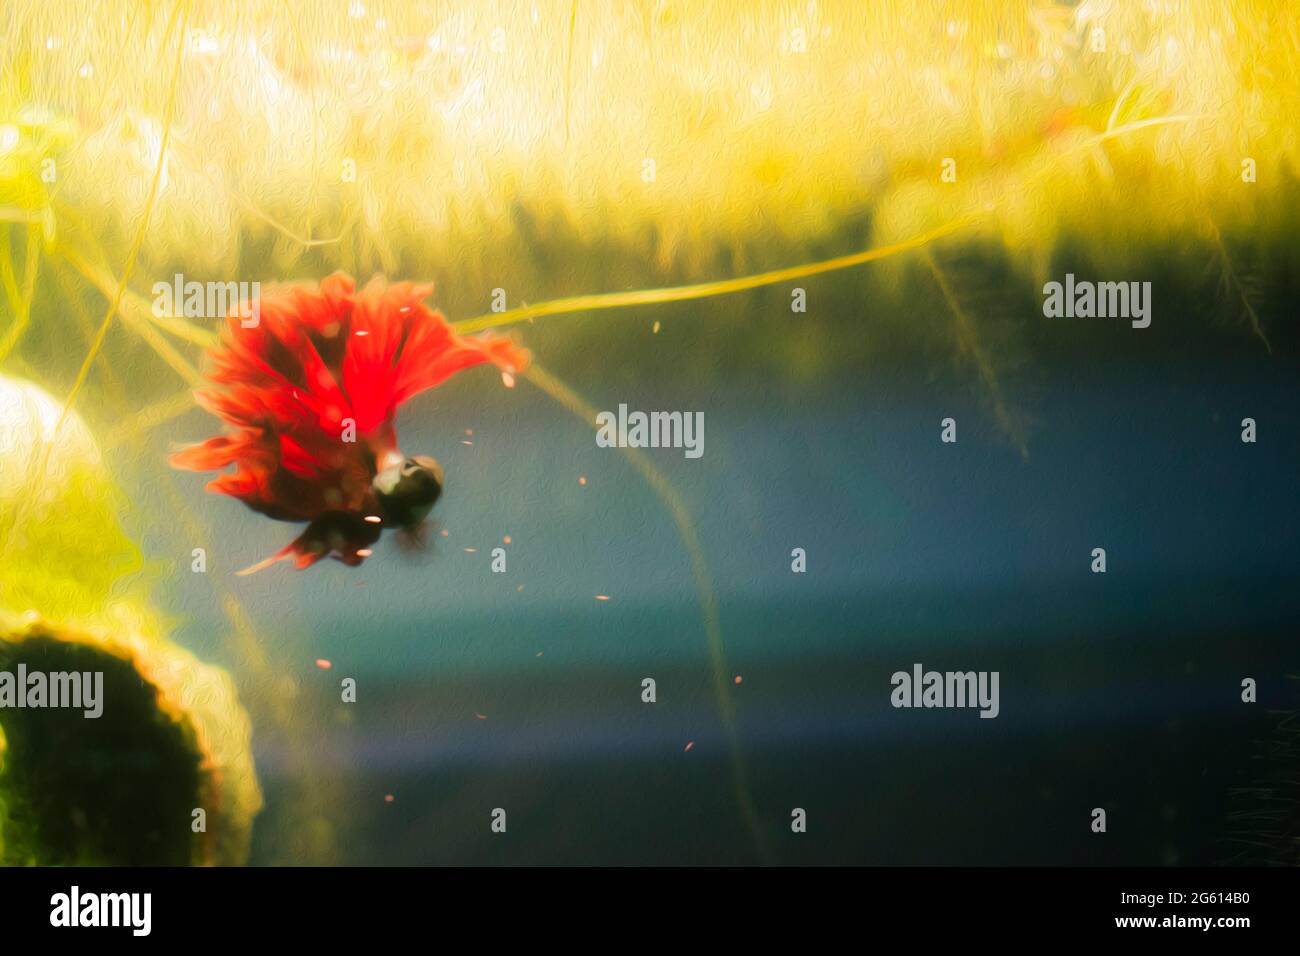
(65, 554)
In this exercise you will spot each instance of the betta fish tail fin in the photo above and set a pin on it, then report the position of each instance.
(398, 347)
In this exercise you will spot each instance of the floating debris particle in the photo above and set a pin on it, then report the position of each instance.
(689, 745)
(389, 798)
(602, 597)
(323, 664)
(655, 330)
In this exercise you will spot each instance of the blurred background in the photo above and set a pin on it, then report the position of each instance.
(557, 149)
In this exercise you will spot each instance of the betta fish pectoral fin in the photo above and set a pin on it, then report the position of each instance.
(265, 562)
(309, 396)
(338, 535)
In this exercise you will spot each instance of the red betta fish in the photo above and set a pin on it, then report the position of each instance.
(309, 393)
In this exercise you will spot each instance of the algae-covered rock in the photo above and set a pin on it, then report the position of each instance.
(123, 788)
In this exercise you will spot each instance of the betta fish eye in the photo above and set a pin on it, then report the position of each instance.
(430, 466)
(408, 491)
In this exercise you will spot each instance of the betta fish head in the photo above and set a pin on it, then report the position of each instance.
(407, 490)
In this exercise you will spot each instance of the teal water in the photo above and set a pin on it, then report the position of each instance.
(520, 690)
